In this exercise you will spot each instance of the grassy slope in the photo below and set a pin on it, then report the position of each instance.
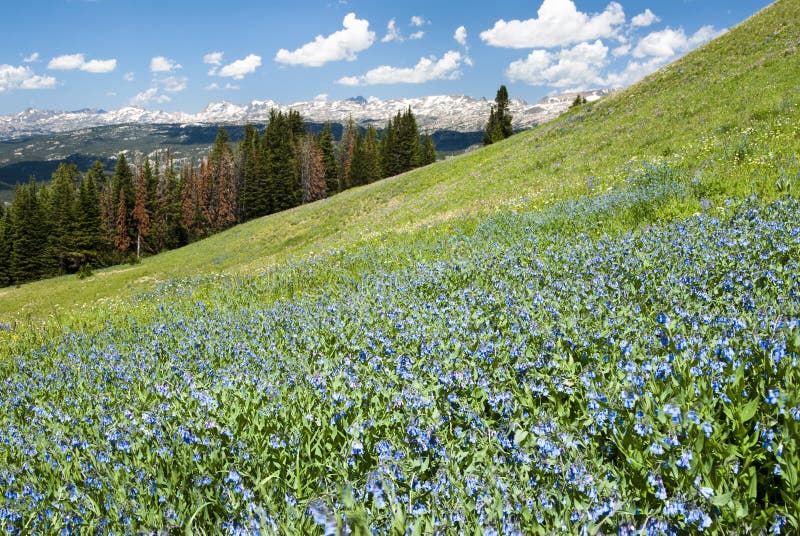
(727, 112)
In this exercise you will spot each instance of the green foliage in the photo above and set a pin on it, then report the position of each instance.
(498, 127)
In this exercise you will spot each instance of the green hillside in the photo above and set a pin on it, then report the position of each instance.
(735, 97)
(591, 326)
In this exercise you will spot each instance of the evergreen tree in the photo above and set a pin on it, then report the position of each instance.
(141, 216)
(329, 160)
(407, 145)
(346, 150)
(281, 163)
(428, 150)
(89, 234)
(499, 125)
(122, 183)
(170, 210)
(312, 170)
(5, 247)
(254, 194)
(358, 162)
(388, 150)
(223, 202)
(503, 114)
(371, 156)
(28, 235)
(62, 225)
(122, 241)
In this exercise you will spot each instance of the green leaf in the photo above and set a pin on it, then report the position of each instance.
(749, 411)
(721, 500)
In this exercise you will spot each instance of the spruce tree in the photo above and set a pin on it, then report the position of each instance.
(5, 247)
(329, 160)
(499, 127)
(428, 150)
(282, 163)
(312, 170)
(371, 155)
(89, 235)
(62, 224)
(141, 216)
(358, 162)
(28, 235)
(346, 150)
(388, 150)
(503, 114)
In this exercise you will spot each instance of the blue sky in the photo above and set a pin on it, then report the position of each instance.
(176, 55)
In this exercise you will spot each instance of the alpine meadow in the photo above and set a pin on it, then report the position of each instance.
(588, 327)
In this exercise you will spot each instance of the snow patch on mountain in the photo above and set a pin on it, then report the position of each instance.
(434, 113)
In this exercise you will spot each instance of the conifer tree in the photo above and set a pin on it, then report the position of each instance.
(347, 147)
(28, 235)
(254, 194)
(5, 247)
(499, 125)
(122, 242)
(223, 202)
(62, 225)
(282, 163)
(371, 156)
(388, 150)
(312, 170)
(141, 216)
(428, 150)
(88, 239)
(329, 160)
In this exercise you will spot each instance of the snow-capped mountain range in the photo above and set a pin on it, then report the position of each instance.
(435, 113)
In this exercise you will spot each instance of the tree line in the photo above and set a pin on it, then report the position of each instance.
(81, 221)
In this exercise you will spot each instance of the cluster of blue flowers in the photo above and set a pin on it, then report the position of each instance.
(646, 383)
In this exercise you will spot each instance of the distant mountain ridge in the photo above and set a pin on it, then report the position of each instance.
(434, 113)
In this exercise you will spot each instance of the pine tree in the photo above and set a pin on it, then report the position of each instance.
(503, 114)
(253, 193)
(122, 241)
(312, 170)
(62, 224)
(346, 150)
(122, 182)
(28, 235)
(223, 202)
(371, 156)
(388, 151)
(407, 147)
(89, 235)
(499, 125)
(329, 160)
(141, 216)
(5, 247)
(282, 163)
(428, 150)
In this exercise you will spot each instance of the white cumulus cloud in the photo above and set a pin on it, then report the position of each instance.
(417, 35)
(69, 62)
(669, 43)
(341, 45)
(173, 84)
(658, 49)
(417, 21)
(239, 68)
(461, 36)
(162, 64)
(576, 67)
(392, 33)
(213, 58)
(128, 77)
(645, 19)
(99, 66)
(430, 68)
(216, 87)
(151, 95)
(32, 58)
(23, 77)
(559, 23)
